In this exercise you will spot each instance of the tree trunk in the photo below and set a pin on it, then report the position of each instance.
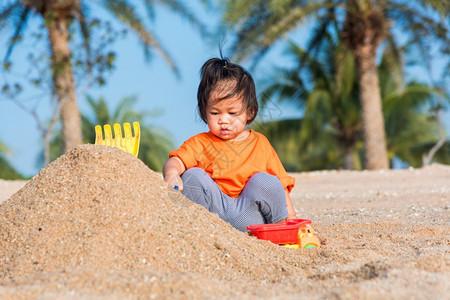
(64, 85)
(349, 163)
(372, 114)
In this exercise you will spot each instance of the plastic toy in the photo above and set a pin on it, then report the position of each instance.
(129, 143)
(295, 233)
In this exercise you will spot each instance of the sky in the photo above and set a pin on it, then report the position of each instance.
(153, 83)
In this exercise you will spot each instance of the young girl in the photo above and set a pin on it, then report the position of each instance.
(230, 170)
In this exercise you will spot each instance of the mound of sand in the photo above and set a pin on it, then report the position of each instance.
(100, 209)
(98, 224)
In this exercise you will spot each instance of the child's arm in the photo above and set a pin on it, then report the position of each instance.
(290, 206)
(172, 170)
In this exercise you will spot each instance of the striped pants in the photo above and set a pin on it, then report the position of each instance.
(261, 201)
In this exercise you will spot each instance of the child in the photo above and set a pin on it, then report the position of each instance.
(230, 170)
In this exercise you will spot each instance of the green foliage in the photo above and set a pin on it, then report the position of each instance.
(155, 143)
(155, 147)
(411, 128)
(3, 148)
(92, 35)
(363, 25)
(259, 24)
(88, 58)
(326, 90)
(284, 135)
(328, 135)
(6, 170)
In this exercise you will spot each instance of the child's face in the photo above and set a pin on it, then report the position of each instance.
(226, 118)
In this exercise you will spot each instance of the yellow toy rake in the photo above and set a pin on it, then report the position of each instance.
(128, 143)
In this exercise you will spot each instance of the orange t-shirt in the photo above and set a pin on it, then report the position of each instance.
(230, 164)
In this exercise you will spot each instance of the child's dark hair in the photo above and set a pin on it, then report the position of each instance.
(233, 79)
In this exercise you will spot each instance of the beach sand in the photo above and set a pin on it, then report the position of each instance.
(99, 224)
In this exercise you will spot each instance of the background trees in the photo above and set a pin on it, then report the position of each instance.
(62, 20)
(329, 134)
(323, 78)
(325, 88)
(6, 170)
(155, 142)
(362, 24)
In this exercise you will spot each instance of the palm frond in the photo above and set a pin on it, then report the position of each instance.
(100, 109)
(150, 9)
(179, 8)
(85, 33)
(412, 96)
(20, 24)
(345, 75)
(258, 25)
(443, 7)
(123, 109)
(320, 33)
(126, 13)
(418, 22)
(284, 86)
(8, 12)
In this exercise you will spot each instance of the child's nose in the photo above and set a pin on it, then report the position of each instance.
(224, 118)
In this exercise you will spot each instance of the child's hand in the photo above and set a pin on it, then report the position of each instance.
(174, 180)
(172, 170)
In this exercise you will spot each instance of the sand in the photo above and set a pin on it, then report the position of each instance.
(98, 224)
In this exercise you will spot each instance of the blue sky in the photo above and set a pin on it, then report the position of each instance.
(153, 83)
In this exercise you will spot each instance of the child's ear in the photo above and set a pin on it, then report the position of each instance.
(254, 113)
(250, 118)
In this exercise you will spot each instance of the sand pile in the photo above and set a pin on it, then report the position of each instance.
(100, 208)
(98, 224)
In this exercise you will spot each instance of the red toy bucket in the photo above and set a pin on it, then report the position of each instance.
(279, 233)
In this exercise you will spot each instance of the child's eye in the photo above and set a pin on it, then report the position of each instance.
(213, 113)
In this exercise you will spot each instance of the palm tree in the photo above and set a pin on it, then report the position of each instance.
(321, 152)
(411, 129)
(60, 17)
(155, 143)
(363, 24)
(326, 91)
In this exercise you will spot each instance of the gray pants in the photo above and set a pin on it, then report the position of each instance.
(261, 201)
